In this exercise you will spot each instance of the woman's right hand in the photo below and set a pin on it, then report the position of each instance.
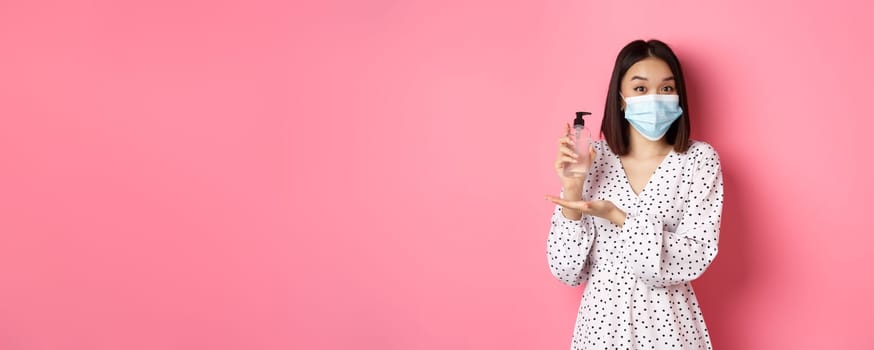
(572, 186)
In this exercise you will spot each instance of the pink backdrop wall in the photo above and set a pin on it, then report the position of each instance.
(369, 175)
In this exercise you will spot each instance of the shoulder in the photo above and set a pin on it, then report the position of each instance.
(600, 145)
(701, 147)
(703, 152)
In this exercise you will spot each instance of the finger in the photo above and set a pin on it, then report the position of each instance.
(567, 159)
(580, 205)
(565, 150)
(567, 129)
(556, 200)
(565, 140)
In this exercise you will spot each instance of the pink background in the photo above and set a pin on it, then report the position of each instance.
(369, 175)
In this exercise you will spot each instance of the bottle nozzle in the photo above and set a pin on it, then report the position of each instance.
(579, 119)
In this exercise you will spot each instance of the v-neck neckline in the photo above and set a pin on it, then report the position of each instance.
(649, 181)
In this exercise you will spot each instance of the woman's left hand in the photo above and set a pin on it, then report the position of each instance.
(600, 208)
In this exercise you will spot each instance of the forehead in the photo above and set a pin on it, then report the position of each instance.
(651, 68)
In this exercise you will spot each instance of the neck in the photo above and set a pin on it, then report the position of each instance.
(641, 147)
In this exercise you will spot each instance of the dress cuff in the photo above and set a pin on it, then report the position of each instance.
(568, 227)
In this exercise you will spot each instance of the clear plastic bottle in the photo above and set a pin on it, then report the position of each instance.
(582, 140)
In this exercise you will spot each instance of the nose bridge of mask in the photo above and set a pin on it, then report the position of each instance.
(650, 98)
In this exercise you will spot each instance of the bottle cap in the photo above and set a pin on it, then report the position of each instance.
(579, 120)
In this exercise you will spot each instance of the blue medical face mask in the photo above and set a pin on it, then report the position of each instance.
(652, 114)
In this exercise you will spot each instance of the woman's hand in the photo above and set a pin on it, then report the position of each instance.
(600, 208)
(567, 156)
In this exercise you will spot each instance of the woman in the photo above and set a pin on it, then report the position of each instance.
(645, 220)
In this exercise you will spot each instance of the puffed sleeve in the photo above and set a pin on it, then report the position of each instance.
(567, 247)
(662, 258)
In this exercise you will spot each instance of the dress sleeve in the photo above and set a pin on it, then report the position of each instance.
(567, 247)
(661, 258)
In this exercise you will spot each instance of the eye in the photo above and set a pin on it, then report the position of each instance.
(639, 89)
(668, 88)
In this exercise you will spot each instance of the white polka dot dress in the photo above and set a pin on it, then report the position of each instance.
(638, 293)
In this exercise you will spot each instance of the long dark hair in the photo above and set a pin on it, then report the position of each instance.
(614, 127)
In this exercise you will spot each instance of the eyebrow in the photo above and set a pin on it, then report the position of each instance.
(637, 77)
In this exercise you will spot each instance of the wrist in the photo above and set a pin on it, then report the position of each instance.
(572, 194)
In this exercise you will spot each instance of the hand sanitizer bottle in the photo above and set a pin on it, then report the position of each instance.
(582, 140)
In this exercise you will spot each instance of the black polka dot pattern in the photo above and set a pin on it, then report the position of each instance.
(638, 292)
